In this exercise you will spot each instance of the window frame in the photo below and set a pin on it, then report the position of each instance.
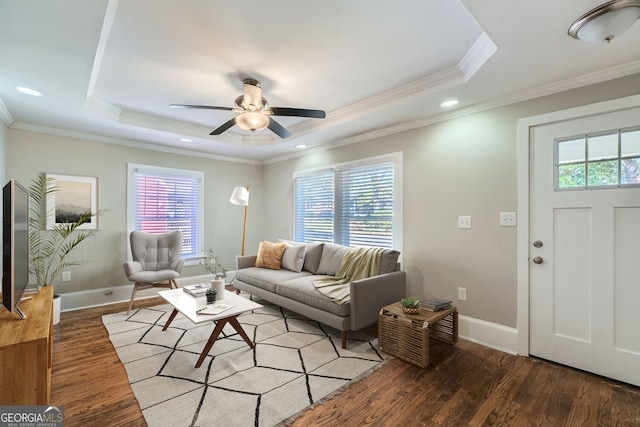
(395, 158)
(619, 158)
(132, 169)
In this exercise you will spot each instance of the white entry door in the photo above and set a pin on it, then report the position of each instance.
(584, 251)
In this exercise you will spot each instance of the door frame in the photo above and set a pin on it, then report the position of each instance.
(523, 186)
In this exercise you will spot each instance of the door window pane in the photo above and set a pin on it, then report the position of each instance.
(630, 143)
(571, 151)
(603, 173)
(571, 176)
(603, 147)
(630, 173)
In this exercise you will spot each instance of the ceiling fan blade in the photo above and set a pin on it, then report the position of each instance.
(298, 112)
(200, 107)
(278, 129)
(224, 127)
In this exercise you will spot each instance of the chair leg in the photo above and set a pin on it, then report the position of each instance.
(344, 339)
(173, 284)
(133, 295)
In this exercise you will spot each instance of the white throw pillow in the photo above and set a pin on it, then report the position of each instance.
(331, 258)
(293, 257)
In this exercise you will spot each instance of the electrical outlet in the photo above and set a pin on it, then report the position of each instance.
(462, 294)
(66, 276)
(464, 222)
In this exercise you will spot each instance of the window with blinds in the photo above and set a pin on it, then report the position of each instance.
(166, 199)
(349, 206)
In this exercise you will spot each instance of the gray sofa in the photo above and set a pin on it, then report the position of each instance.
(291, 286)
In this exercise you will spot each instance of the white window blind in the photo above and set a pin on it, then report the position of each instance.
(365, 217)
(350, 206)
(314, 207)
(166, 199)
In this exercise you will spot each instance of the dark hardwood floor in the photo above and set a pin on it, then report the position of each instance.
(466, 384)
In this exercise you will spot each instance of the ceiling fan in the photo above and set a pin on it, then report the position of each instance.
(255, 112)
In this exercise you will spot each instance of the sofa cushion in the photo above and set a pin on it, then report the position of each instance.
(389, 261)
(265, 278)
(293, 257)
(331, 258)
(301, 289)
(312, 255)
(270, 255)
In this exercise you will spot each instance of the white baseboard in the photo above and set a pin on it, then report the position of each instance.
(488, 334)
(479, 331)
(104, 296)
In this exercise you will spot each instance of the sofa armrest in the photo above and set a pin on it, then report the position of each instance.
(369, 295)
(245, 261)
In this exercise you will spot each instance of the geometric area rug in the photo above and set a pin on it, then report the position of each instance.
(296, 363)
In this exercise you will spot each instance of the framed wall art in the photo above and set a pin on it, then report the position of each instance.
(73, 196)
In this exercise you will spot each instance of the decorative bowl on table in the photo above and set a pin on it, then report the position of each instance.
(410, 305)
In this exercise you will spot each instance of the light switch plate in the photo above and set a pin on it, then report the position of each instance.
(508, 219)
(464, 222)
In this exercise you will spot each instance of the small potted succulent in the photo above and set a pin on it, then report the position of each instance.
(410, 305)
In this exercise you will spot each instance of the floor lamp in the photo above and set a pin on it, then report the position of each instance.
(240, 197)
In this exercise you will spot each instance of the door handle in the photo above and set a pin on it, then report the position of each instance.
(538, 260)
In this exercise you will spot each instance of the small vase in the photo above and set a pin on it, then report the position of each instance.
(218, 285)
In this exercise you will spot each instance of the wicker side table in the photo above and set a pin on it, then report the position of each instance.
(406, 336)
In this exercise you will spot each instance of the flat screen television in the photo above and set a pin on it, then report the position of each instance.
(15, 245)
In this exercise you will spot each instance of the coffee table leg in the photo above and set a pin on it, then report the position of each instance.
(171, 317)
(216, 333)
(212, 339)
(236, 325)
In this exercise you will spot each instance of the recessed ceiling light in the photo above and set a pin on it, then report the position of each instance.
(186, 139)
(28, 91)
(301, 146)
(449, 103)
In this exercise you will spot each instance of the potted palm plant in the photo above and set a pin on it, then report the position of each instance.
(49, 249)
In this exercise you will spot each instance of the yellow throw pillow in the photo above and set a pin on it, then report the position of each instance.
(270, 255)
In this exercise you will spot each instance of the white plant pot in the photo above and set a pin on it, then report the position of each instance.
(218, 285)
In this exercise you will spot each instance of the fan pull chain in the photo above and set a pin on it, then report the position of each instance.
(251, 147)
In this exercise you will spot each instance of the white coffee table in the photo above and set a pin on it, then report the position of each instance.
(186, 304)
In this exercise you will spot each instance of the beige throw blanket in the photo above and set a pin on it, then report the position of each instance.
(357, 264)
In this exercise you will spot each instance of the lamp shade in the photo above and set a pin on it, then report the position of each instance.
(240, 196)
(606, 22)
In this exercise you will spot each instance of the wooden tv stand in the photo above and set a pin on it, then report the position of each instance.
(26, 351)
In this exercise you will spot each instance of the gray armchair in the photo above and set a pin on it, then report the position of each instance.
(156, 261)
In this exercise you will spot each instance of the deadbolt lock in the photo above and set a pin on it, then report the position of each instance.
(537, 244)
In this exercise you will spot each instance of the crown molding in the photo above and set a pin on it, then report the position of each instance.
(527, 95)
(128, 143)
(5, 115)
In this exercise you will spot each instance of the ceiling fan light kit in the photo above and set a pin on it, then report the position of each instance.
(252, 121)
(606, 21)
(254, 112)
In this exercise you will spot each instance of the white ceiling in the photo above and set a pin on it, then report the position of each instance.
(109, 69)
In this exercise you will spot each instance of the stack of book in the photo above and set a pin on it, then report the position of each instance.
(436, 304)
(198, 290)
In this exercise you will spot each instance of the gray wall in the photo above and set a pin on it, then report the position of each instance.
(30, 154)
(465, 166)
